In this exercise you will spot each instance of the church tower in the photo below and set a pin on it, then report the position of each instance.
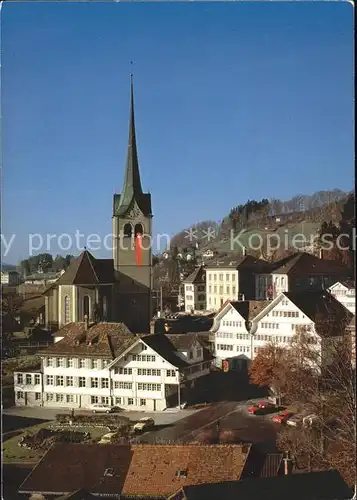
(132, 253)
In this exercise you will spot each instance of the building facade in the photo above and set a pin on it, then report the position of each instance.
(230, 279)
(345, 292)
(105, 363)
(195, 290)
(241, 329)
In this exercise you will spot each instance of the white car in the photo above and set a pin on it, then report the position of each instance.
(101, 408)
(144, 424)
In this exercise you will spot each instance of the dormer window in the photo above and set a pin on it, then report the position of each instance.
(181, 473)
(109, 472)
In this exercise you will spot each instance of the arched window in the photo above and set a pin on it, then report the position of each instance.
(67, 309)
(105, 308)
(86, 306)
(128, 230)
(139, 229)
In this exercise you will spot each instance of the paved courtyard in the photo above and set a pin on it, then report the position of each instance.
(23, 416)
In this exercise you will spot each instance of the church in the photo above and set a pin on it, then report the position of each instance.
(117, 289)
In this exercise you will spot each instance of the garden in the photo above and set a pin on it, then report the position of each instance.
(30, 444)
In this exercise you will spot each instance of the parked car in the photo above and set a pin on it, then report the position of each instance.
(144, 424)
(102, 408)
(107, 438)
(262, 405)
(282, 417)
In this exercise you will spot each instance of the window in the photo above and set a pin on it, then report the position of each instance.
(20, 378)
(86, 306)
(143, 357)
(59, 380)
(94, 382)
(59, 398)
(67, 311)
(123, 385)
(69, 398)
(190, 355)
(220, 277)
(170, 373)
(28, 379)
(124, 371)
(105, 400)
(130, 401)
(60, 363)
(81, 381)
(233, 290)
(70, 362)
(19, 395)
(94, 363)
(37, 379)
(37, 396)
(82, 363)
(118, 401)
(149, 387)
(227, 277)
(142, 402)
(227, 289)
(105, 383)
(198, 352)
(221, 290)
(215, 277)
(210, 289)
(215, 289)
(94, 400)
(49, 380)
(149, 372)
(224, 347)
(49, 396)
(69, 381)
(233, 277)
(105, 308)
(105, 363)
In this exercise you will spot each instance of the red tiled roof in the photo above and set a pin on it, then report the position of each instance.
(136, 470)
(101, 339)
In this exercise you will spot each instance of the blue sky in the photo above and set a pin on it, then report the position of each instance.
(233, 101)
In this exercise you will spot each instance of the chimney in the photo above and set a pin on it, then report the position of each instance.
(244, 252)
(86, 323)
(288, 464)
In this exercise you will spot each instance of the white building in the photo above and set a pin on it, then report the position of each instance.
(195, 290)
(105, 363)
(345, 292)
(240, 329)
(11, 278)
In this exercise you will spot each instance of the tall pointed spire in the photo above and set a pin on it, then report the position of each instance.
(132, 184)
(132, 189)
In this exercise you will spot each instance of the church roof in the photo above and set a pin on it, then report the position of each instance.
(87, 270)
(132, 190)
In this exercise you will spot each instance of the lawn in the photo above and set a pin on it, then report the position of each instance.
(12, 452)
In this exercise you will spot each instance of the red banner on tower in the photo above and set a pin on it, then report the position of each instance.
(138, 248)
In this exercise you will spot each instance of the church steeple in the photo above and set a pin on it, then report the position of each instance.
(132, 190)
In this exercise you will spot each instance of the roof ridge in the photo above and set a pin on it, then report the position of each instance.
(90, 257)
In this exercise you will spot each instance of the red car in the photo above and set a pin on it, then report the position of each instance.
(258, 406)
(282, 417)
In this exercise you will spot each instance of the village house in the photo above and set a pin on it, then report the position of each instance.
(195, 290)
(10, 278)
(134, 471)
(240, 329)
(105, 363)
(345, 292)
(298, 272)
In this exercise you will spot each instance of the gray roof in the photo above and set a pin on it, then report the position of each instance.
(302, 263)
(241, 263)
(87, 270)
(197, 276)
